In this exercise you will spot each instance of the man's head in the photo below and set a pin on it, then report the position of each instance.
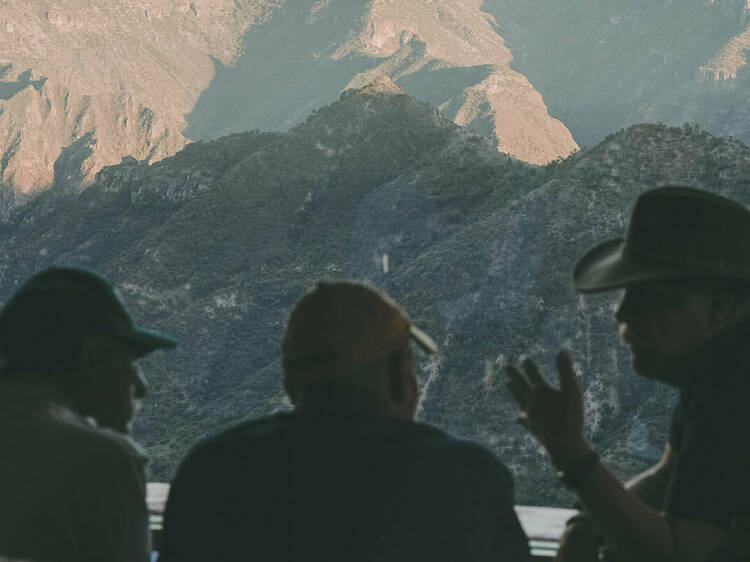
(69, 326)
(346, 333)
(685, 270)
(661, 321)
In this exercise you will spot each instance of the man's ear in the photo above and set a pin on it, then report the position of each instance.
(403, 386)
(94, 355)
(396, 382)
(720, 312)
(412, 391)
(289, 390)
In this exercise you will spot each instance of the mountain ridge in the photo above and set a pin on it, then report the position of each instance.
(88, 83)
(84, 84)
(379, 187)
(603, 66)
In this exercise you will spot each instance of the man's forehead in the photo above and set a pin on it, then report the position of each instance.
(117, 348)
(669, 292)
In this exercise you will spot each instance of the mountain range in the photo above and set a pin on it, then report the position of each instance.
(216, 243)
(83, 84)
(605, 65)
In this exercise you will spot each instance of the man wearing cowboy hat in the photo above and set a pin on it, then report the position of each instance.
(347, 475)
(684, 266)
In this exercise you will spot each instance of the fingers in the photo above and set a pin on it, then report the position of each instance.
(532, 371)
(522, 386)
(568, 383)
(518, 386)
(524, 421)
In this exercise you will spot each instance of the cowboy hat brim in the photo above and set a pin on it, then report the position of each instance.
(605, 267)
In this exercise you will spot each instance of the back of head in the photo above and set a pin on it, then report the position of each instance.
(340, 332)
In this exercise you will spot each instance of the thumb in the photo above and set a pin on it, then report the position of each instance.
(568, 382)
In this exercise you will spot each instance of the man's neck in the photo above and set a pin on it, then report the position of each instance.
(343, 399)
(715, 356)
(27, 389)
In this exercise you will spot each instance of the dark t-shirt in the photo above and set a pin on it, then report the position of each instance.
(358, 485)
(709, 435)
(68, 491)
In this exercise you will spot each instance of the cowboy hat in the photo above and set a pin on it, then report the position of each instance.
(675, 232)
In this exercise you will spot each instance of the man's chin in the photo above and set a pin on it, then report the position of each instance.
(644, 369)
(119, 425)
(654, 369)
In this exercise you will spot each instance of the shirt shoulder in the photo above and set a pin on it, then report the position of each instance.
(709, 481)
(432, 445)
(456, 458)
(223, 450)
(81, 435)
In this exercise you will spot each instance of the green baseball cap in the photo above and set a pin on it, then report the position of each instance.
(62, 305)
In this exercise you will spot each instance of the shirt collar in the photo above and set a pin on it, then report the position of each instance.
(345, 400)
(719, 357)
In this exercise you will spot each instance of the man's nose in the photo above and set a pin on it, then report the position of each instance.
(140, 385)
(623, 308)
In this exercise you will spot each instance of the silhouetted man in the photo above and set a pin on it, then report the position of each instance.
(348, 475)
(685, 268)
(71, 481)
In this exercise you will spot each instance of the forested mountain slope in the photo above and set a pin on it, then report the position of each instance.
(215, 244)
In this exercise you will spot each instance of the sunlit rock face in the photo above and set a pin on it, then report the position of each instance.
(84, 83)
(445, 52)
(602, 66)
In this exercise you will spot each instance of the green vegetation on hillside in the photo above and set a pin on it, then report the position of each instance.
(216, 244)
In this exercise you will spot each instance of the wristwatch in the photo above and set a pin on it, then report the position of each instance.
(574, 476)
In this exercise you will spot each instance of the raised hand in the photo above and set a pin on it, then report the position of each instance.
(554, 417)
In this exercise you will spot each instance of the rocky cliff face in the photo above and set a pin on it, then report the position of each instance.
(602, 66)
(83, 84)
(216, 243)
(445, 52)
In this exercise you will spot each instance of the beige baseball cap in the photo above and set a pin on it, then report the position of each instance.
(338, 327)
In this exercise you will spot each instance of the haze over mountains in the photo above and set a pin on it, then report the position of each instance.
(445, 52)
(607, 64)
(83, 84)
(216, 244)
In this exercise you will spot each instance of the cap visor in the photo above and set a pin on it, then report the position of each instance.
(605, 267)
(143, 341)
(425, 342)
